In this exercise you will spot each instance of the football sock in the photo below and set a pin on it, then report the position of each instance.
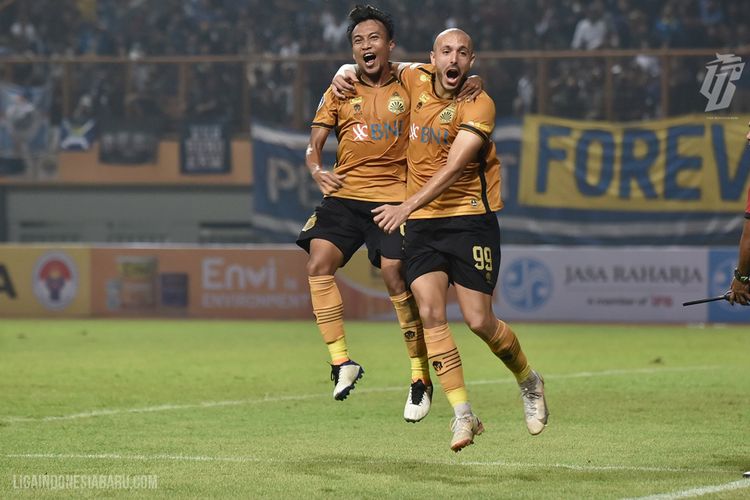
(338, 351)
(462, 409)
(329, 314)
(446, 361)
(504, 344)
(411, 327)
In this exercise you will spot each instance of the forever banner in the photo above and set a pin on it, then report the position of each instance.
(677, 181)
(686, 164)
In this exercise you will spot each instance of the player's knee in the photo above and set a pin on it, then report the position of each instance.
(394, 281)
(317, 266)
(432, 315)
(481, 324)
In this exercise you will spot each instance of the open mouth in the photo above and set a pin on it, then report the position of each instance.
(369, 58)
(452, 75)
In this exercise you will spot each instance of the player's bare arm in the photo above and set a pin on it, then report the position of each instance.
(328, 181)
(740, 291)
(345, 78)
(464, 149)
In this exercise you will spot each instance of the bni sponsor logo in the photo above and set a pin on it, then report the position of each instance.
(527, 284)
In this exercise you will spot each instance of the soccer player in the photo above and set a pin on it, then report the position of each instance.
(452, 233)
(370, 170)
(740, 288)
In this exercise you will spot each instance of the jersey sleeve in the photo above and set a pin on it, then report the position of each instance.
(327, 114)
(478, 117)
(411, 74)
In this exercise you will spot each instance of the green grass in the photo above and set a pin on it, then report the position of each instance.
(244, 410)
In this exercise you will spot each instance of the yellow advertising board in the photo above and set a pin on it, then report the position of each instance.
(200, 282)
(695, 163)
(261, 282)
(44, 281)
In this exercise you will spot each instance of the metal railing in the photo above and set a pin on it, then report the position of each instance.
(248, 83)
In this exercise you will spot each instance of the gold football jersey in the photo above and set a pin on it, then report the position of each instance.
(434, 124)
(372, 135)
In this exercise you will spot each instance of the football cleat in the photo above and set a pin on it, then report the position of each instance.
(534, 403)
(418, 401)
(464, 429)
(344, 377)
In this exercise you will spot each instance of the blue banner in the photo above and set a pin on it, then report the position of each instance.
(284, 192)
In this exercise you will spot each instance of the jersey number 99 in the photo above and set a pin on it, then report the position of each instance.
(482, 258)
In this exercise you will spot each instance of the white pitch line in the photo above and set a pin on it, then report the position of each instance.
(301, 397)
(203, 458)
(699, 492)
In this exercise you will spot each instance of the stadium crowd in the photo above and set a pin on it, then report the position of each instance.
(136, 28)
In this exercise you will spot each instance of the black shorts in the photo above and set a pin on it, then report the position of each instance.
(466, 248)
(348, 224)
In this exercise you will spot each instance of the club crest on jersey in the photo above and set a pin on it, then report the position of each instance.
(423, 98)
(396, 104)
(310, 223)
(356, 103)
(446, 116)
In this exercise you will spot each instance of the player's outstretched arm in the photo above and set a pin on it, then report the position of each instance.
(464, 149)
(328, 181)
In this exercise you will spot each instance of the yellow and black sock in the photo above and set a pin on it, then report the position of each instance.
(411, 328)
(504, 344)
(329, 313)
(446, 361)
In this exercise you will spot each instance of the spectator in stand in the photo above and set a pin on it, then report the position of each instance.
(668, 27)
(297, 27)
(591, 31)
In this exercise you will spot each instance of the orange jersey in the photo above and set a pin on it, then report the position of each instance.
(434, 124)
(371, 130)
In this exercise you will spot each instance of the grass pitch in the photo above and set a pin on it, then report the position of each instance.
(244, 410)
